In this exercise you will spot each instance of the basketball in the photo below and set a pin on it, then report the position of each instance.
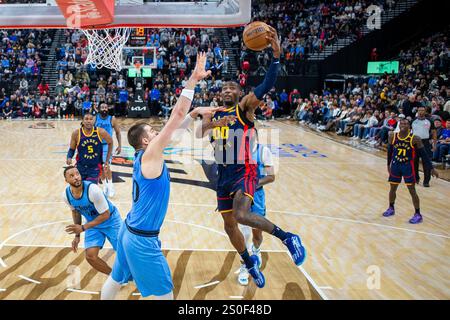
(255, 36)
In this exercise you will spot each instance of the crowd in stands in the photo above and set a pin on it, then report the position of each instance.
(306, 27)
(367, 110)
(82, 87)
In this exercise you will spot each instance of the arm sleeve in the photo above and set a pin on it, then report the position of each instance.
(97, 197)
(267, 158)
(66, 201)
(269, 80)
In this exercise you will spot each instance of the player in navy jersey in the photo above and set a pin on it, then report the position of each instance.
(139, 254)
(109, 124)
(233, 137)
(102, 219)
(403, 147)
(88, 142)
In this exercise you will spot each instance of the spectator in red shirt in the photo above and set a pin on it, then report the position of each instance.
(36, 112)
(43, 88)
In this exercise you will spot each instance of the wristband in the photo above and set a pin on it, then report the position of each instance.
(77, 236)
(188, 94)
(82, 228)
(70, 153)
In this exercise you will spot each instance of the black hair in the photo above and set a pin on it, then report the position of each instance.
(67, 169)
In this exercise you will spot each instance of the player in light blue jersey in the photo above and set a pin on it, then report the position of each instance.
(139, 254)
(109, 124)
(102, 218)
(266, 175)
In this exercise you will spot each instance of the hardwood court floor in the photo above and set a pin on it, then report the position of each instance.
(331, 194)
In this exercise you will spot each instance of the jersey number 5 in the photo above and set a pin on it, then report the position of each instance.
(90, 149)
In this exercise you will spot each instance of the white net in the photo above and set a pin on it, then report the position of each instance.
(105, 47)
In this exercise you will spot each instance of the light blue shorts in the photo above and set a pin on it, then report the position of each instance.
(141, 259)
(96, 236)
(259, 202)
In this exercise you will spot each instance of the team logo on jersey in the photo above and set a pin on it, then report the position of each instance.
(402, 147)
(88, 145)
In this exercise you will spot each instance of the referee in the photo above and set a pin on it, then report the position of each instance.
(423, 128)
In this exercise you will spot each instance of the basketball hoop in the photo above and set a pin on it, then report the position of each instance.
(105, 47)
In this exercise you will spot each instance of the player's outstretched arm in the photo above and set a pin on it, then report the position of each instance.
(116, 128)
(73, 146)
(208, 124)
(76, 216)
(180, 110)
(199, 111)
(251, 101)
(390, 149)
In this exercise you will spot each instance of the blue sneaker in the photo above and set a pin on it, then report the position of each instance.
(296, 249)
(389, 212)
(417, 218)
(256, 274)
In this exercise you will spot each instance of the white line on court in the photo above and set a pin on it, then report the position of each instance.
(109, 247)
(312, 282)
(379, 159)
(136, 294)
(360, 222)
(275, 211)
(326, 288)
(82, 291)
(2, 290)
(24, 159)
(198, 226)
(29, 279)
(236, 297)
(23, 231)
(207, 285)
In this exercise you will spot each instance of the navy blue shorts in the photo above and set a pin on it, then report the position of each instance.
(233, 178)
(91, 174)
(405, 170)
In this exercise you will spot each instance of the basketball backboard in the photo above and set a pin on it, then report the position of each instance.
(146, 56)
(124, 13)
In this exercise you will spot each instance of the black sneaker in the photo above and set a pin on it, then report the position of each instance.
(426, 185)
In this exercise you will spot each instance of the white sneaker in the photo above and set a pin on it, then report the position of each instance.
(257, 252)
(243, 276)
(111, 190)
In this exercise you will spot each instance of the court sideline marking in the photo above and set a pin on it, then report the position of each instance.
(274, 211)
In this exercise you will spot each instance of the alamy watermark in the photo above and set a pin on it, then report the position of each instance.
(374, 20)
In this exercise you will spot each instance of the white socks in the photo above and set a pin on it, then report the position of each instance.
(110, 289)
